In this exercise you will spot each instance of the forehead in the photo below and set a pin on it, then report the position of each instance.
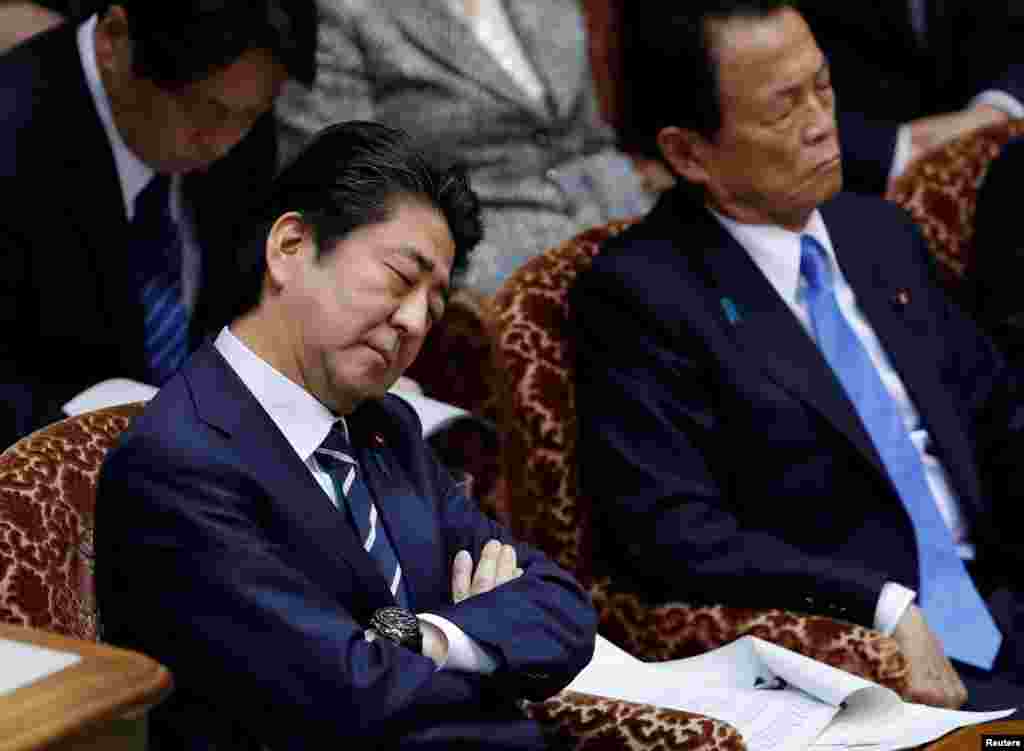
(415, 231)
(758, 58)
(252, 81)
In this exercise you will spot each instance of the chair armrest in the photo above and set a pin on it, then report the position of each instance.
(577, 721)
(671, 631)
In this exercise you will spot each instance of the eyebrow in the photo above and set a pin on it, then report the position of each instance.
(788, 91)
(425, 265)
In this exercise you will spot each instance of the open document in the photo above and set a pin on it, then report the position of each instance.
(777, 699)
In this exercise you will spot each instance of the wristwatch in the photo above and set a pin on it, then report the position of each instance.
(400, 626)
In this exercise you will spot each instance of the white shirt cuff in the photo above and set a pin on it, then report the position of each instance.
(901, 154)
(1001, 101)
(464, 654)
(892, 604)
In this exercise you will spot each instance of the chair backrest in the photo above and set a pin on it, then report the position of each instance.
(533, 360)
(47, 503)
(940, 191)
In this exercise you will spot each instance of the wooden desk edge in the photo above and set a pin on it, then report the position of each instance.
(105, 684)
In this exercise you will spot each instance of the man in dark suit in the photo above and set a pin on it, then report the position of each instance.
(776, 402)
(263, 519)
(913, 74)
(130, 144)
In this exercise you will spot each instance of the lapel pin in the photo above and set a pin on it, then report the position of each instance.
(902, 298)
(378, 439)
(732, 313)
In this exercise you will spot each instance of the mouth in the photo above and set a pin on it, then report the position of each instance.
(383, 354)
(830, 163)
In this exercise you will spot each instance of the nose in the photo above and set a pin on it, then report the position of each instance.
(412, 316)
(822, 121)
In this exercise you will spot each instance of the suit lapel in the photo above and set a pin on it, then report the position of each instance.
(224, 402)
(558, 58)
(95, 216)
(407, 515)
(772, 337)
(431, 26)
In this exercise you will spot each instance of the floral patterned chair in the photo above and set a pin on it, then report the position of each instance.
(940, 191)
(533, 357)
(47, 500)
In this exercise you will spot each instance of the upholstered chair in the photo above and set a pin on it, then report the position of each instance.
(534, 362)
(47, 502)
(940, 192)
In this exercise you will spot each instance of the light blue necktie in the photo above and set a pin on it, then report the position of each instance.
(952, 606)
(336, 456)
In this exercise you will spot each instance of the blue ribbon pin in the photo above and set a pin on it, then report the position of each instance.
(732, 313)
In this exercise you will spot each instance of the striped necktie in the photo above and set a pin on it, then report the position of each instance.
(335, 455)
(156, 250)
(951, 604)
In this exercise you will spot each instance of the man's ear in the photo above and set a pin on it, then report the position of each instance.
(685, 151)
(287, 239)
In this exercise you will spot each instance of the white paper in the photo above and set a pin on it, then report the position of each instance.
(109, 393)
(22, 663)
(433, 414)
(814, 706)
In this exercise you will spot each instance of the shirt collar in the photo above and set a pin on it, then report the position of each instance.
(133, 173)
(776, 250)
(304, 421)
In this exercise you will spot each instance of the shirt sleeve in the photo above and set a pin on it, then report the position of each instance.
(464, 654)
(1001, 101)
(900, 154)
(892, 604)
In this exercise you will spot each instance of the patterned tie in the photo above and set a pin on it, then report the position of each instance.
(952, 606)
(156, 254)
(336, 456)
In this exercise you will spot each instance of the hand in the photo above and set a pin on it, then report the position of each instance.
(933, 680)
(496, 567)
(929, 133)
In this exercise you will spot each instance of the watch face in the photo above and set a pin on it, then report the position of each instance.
(400, 626)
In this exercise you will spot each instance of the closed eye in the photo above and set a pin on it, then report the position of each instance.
(405, 280)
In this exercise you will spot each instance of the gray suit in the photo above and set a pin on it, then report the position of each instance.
(543, 169)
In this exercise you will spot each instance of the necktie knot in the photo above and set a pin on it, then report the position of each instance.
(814, 264)
(337, 444)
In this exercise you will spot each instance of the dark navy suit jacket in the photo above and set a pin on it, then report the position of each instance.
(885, 76)
(69, 312)
(220, 555)
(722, 453)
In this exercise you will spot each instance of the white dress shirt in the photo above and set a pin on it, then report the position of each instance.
(305, 423)
(495, 32)
(135, 174)
(776, 251)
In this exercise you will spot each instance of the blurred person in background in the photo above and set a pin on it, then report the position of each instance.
(503, 89)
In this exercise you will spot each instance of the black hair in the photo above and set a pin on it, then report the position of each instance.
(676, 41)
(351, 175)
(178, 42)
